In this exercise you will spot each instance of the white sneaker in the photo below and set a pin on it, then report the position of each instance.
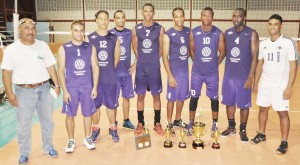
(71, 146)
(88, 142)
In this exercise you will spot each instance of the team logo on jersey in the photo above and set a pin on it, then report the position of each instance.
(198, 33)
(229, 33)
(147, 43)
(112, 32)
(123, 50)
(93, 36)
(102, 55)
(79, 64)
(173, 34)
(139, 27)
(235, 51)
(183, 50)
(206, 51)
(68, 45)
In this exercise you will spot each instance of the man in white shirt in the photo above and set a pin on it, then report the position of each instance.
(29, 63)
(274, 79)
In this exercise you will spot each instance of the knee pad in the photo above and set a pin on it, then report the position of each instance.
(193, 104)
(214, 105)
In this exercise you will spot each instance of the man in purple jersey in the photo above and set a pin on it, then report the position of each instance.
(147, 39)
(175, 58)
(205, 43)
(124, 69)
(108, 53)
(78, 74)
(241, 59)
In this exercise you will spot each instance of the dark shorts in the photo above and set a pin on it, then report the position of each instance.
(82, 96)
(181, 91)
(211, 82)
(234, 93)
(148, 78)
(107, 96)
(125, 85)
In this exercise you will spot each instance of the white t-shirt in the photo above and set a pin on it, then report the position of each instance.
(276, 55)
(28, 63)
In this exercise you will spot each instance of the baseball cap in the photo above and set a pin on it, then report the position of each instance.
(26, 21)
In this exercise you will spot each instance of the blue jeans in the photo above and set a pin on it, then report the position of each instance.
(29, 100)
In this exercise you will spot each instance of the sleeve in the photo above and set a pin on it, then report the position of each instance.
(292, 51)
(260, 53)
(7, 62)
(49, 57)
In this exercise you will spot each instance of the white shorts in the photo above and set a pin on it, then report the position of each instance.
(268, 96)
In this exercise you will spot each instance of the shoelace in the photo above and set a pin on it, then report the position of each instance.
(70, 144)
(89, 140)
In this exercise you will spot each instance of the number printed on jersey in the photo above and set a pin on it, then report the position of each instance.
(237, 40)
(206, 40)
(147, 31)
(78, 52)
(121, 39)
(103, 44)
(182, 39)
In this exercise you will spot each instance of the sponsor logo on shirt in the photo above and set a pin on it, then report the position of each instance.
(230, 32)
(68, 45)
(93, 36)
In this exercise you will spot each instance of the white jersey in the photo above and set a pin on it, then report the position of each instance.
(28, 63)
(276, 56)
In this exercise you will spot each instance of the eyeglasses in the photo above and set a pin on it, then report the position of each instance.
(26, 20)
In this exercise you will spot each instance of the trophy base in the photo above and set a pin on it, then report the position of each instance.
(215, 146)
(196, 145)
(182, 145)
(143, 141)
(168, 144)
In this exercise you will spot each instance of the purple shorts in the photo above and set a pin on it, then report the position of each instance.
(181, 91)
(234, 93)
(82, 96)
(148, 78)
(211, 82)
(107, 95)
(125, 84)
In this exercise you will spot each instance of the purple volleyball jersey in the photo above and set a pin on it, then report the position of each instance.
(238, 53)
(125, 46)
(105, 46)
(78, 65)
(148, 46)
(178, 51)
(206, 51)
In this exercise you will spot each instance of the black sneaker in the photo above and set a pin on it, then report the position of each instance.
(228, 131)
(179, 123)
(258, 138)
(244, 137)
(282, 148)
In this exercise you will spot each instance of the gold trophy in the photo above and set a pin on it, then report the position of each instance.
(198, 131)
(168, 143)
(182, 133)
(143, 141)
(215, 136)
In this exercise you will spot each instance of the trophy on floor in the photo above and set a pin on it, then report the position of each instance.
(168, 143)
(182, 133)
(215, 136)
(198, 131)
(143, 141)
